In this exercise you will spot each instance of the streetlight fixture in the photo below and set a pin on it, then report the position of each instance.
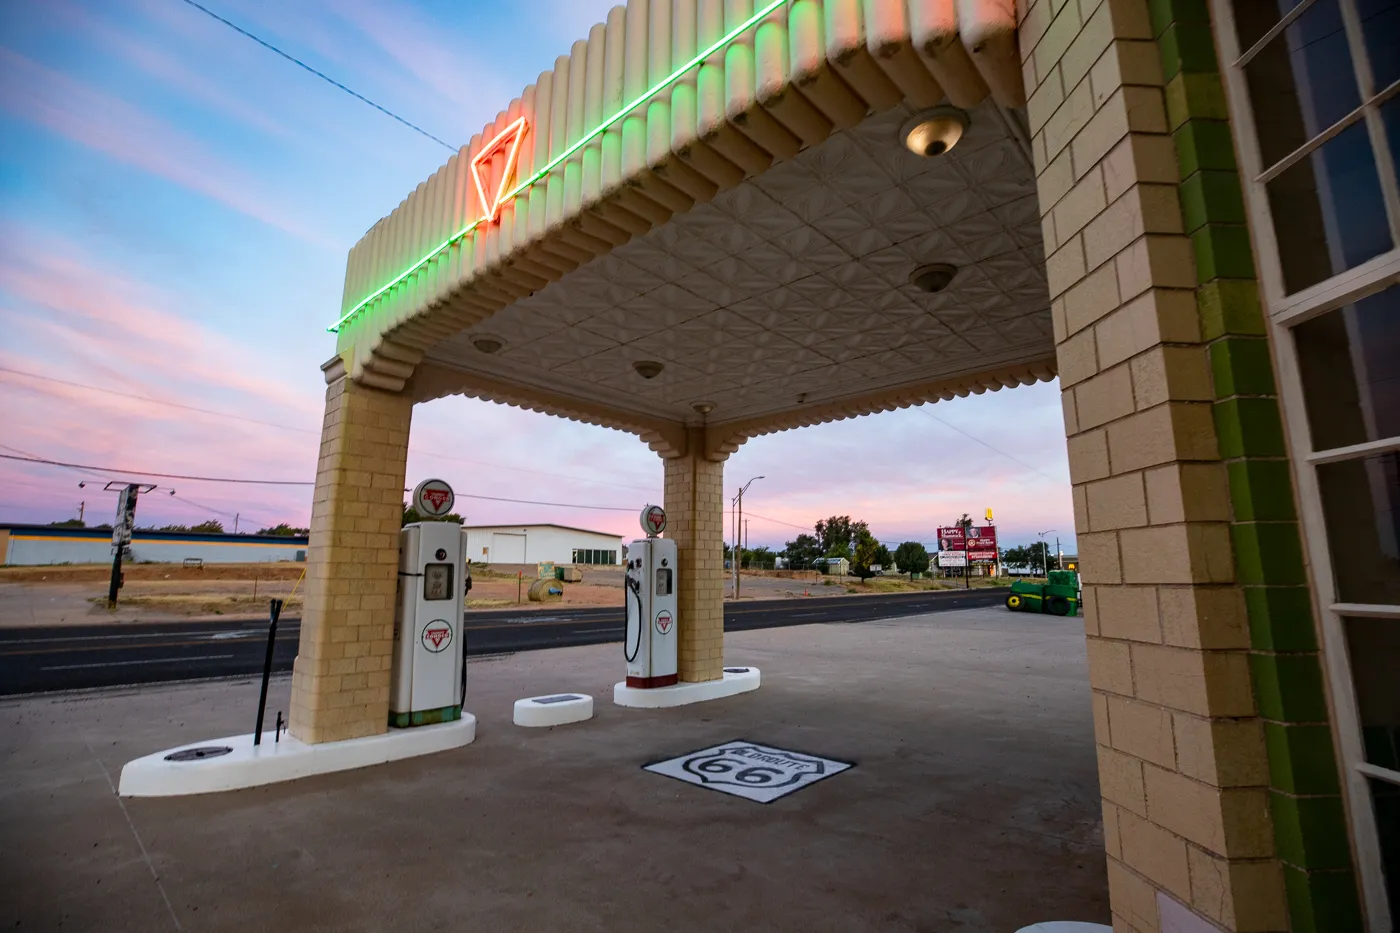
(739, 523)
(1045, 550)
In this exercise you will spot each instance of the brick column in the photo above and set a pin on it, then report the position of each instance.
(694, 505)
(340, 683)
(1183, 768)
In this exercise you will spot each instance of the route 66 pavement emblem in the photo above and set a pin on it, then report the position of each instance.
(749, 770)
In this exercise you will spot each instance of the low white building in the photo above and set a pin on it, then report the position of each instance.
(530, 544)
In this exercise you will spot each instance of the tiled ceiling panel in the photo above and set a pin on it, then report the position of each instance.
(796, 283)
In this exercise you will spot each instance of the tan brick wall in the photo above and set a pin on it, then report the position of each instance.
(340, 683)
(1182, 763)
(694, 505)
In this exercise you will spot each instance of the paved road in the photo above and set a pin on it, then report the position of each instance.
(34, 660)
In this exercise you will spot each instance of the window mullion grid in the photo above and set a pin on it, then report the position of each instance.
(1288, 19)
(1336, 658)
(1375, 128)
(1312, 145)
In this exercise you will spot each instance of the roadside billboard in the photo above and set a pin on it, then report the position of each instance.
(977, 543)
(981, 543)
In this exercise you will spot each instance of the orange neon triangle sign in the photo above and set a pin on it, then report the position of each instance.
(509, 140)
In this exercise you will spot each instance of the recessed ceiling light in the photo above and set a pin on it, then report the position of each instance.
(934, 277)
(487, 344)
(648, 369)
(703, 408)
(933, 132)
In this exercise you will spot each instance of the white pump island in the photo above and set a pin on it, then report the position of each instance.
(649, 645)
(427, 683)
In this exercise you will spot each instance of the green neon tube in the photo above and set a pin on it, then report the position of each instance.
(558, 160)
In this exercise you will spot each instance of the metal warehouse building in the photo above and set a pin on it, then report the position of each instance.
(30, 545)
(528, 544)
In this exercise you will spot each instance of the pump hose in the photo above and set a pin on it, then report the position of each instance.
(635, 588)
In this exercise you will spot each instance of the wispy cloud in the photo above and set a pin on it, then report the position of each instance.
(169, 70)
(408, 38)
(107, 124)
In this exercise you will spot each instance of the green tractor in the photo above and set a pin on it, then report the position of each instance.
(1059, 597)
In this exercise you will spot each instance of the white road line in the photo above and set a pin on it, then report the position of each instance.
(226, 633)
(74, 667)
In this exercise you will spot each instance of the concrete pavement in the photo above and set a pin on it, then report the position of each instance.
(973, 805)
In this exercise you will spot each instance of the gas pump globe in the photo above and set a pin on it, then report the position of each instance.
(649, 647)
(428, 681)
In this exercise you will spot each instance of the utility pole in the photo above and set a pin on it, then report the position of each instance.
(746, 534)
(739, 501)
(235, 522)
(82, 506)
(121, 533)
(1059, 562)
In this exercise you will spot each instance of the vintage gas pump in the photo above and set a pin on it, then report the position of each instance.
(428, 682)
(650, 580)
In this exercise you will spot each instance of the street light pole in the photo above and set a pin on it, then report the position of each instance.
(1045, 550)
(739, 523)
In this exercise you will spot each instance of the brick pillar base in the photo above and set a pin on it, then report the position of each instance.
(695, 520)
(340, 683)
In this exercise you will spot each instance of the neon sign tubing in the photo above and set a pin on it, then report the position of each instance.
(555, 162)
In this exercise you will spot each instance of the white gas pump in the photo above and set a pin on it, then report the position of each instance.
(650, 592)
(428, 681)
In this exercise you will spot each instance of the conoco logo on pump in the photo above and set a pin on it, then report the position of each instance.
(433, 498)
(653, 520)
(437, 635)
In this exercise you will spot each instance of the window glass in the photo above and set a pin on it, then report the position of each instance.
(1253, 18)
(1390, 118)
(1328, 210)
(1374, 647)
(1380, 25)
(1361, 505)
(1302, 82)
(1385, 797)
(1350, 363)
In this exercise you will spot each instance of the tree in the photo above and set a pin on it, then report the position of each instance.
(838, 535)
(883, 558)
(802, 551)
(759, 558)
(1031, 555)
(212, 527)
(866, 550)
(911, 557)
(68, 523)
(283, 530)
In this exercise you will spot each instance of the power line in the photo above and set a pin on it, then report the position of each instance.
(198, 479)
(156, 401)
(558, 505)
(324, 77)
(83, 467)
(777, 522)
(979, 440)
(287, 427)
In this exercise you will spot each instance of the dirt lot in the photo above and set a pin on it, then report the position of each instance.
(77, 594)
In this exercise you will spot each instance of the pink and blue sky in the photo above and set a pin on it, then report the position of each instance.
(176, 205)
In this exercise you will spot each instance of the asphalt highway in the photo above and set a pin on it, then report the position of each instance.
(36, 660)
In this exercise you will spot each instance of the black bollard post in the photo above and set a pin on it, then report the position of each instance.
(275, 611)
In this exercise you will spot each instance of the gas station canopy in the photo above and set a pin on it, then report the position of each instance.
(751, 216)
